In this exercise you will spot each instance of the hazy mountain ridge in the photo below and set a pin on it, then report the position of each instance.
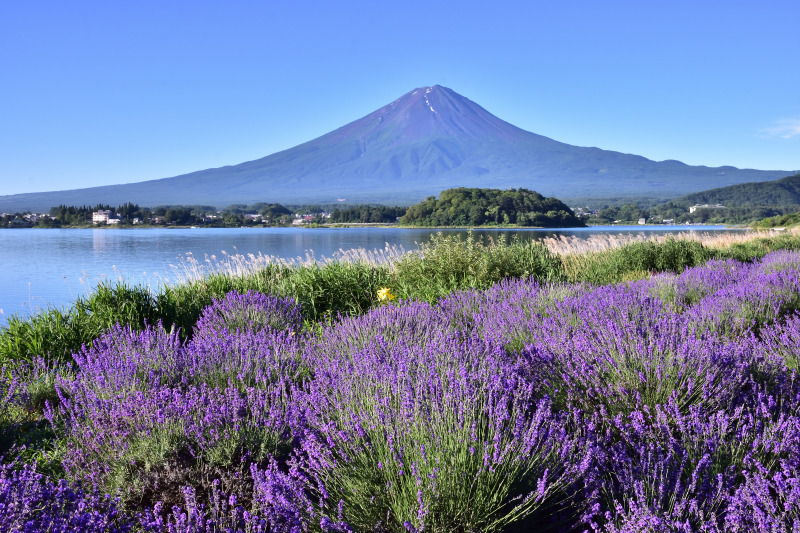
(428, 140)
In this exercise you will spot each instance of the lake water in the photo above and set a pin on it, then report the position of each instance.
(40, 268)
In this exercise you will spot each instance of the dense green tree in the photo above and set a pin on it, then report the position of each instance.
(475, 207)
(273, 211)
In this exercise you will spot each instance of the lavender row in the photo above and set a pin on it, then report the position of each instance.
(667, 404)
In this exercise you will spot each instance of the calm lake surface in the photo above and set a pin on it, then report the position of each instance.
(41, 268)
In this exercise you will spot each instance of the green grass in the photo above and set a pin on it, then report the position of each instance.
(635, 261)
(326, 291)
(450, 263)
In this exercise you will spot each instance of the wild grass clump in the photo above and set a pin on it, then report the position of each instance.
(325, 291)
(57, 333)
(635, 261)
(448, 263)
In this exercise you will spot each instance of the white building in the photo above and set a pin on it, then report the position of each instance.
(694, 208)
(104, 217)
(101, 217)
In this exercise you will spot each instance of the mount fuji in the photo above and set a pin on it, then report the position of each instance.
(428, 140)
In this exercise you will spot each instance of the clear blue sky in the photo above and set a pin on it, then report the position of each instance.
(104, 92)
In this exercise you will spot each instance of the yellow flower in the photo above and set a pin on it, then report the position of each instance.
(385, 294)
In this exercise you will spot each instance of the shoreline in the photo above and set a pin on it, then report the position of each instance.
(380, 225)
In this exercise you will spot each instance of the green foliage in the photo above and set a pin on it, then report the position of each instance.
(478, 207)
(49, 333)
(334, 288)
(757, 248)
(70, 215)
(791, 219)
(782, 192)
(629, 213)
(273, 211)
(635, 260)
(367, 214)
(746, 203)
(321, 290)
(449, 263)
(55, 334)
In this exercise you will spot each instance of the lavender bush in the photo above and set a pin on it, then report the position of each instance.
(663, 404)
(28, 502)
(148, 414)
(433, 435)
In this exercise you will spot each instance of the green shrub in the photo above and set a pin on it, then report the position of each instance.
(449, 263)
(633, 260)
(56, 334)
(51, 334)
(334, 288)
(757, 248)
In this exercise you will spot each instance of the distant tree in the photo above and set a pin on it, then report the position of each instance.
(273, 211)
(179, 215)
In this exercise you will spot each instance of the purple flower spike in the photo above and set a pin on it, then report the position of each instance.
(251, 311)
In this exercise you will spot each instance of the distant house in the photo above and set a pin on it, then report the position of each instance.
(642, 222)
(104, 217)
(101, 217)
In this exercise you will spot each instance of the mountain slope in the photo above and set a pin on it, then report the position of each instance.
(779, 193)
(428, 140)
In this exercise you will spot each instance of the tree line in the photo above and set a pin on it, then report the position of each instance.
(235, 215)
(367, 214)
(678, 213)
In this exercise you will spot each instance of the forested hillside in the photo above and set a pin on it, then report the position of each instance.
(782, 192)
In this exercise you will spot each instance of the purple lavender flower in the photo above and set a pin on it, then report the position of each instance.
(29, 502)
(251, 311)
(667, 404)
(393, 423)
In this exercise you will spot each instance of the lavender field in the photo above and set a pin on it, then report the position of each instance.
(669, 403)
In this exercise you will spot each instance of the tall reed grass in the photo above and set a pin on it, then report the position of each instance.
(347, 282)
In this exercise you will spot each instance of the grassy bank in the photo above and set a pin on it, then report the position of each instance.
(348, 283)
